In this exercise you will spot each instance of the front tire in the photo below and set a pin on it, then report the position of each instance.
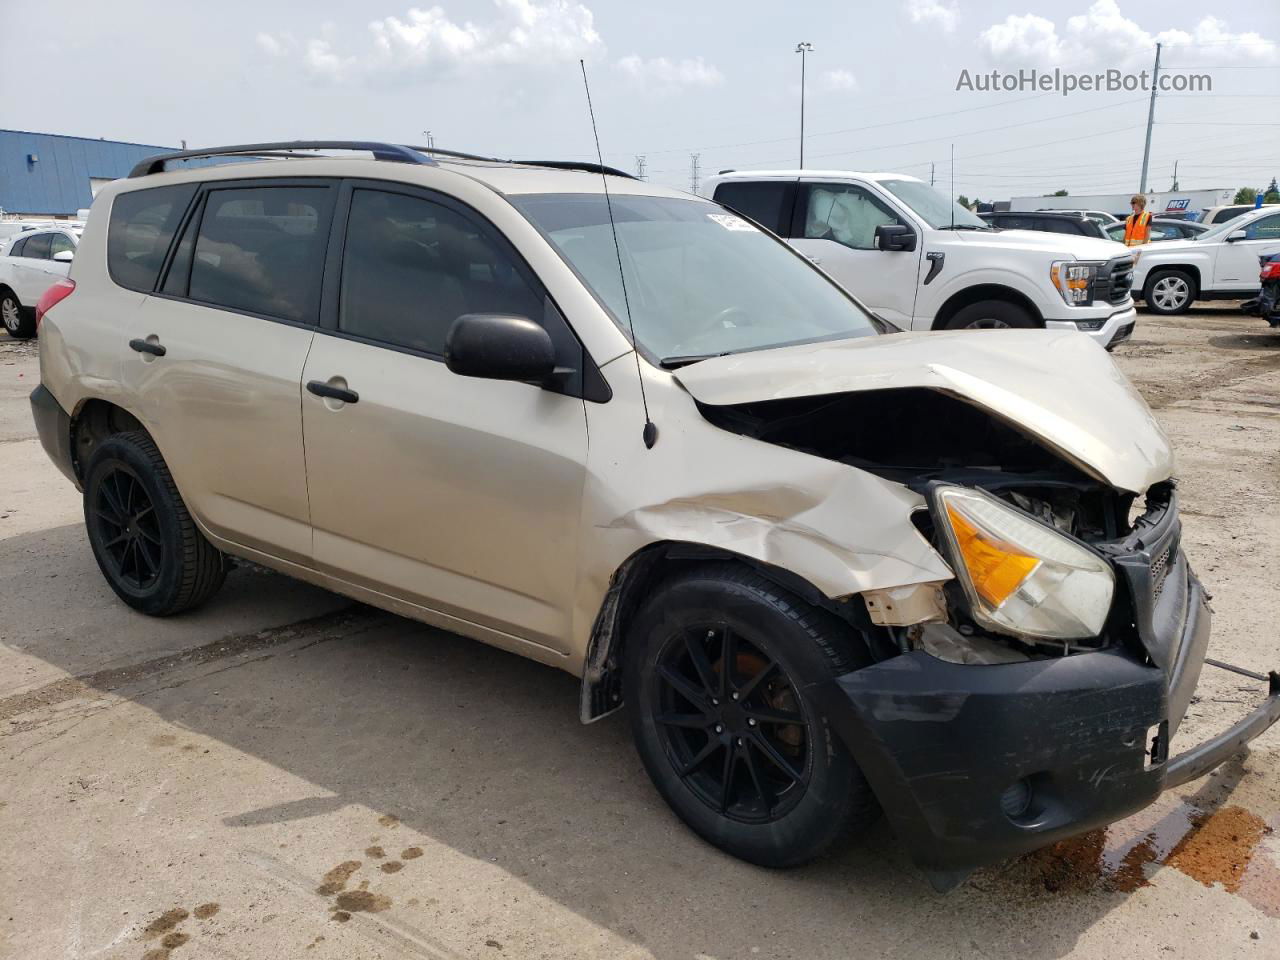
(146, 544)
(718, 665)
(992, 315)
(1169, 292)
(18, 322)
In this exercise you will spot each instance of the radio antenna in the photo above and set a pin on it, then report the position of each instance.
(650, 433)
(953, 186)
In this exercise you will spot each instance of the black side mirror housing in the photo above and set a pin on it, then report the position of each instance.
(895, 236)
(499, 347)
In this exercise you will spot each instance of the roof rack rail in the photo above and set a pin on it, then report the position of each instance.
(555, 164)
(381, 151)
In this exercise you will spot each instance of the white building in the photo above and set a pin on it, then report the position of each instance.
(1182, 203)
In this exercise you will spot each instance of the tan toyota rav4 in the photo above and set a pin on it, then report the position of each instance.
(628, 433)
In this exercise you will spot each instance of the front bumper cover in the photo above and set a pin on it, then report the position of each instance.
(1084, 738)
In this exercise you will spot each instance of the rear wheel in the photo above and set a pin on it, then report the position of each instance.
(992, 315)
(1169, 292)
(719, 662)
(18, 322)
(142, 536)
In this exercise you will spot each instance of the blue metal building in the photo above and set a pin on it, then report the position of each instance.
(52, 175)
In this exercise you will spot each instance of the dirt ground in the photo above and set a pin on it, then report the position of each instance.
(284, 774)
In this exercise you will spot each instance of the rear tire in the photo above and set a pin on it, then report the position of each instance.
(992, 315)
(1169, 292)
(744, 757)
(146, 544)
(19, 322)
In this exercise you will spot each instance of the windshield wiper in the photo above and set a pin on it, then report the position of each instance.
(675, 363)
(964, 226)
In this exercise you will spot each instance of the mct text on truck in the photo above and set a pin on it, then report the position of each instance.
(922, 262)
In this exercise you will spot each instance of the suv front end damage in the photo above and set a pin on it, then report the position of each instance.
(1037, 693)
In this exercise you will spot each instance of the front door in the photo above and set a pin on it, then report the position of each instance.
(457, 494)
(835, 227)
(1236, 264)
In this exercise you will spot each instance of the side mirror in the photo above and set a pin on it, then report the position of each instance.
(895, 236)
(1235, 235)
(63, 256)
(499, 347)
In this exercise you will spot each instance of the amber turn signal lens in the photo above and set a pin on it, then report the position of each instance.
(994, 569)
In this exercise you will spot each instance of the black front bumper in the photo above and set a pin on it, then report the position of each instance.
(975, 764)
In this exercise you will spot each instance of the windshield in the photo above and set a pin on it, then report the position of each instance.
(1221, 229)
(932, 207)
(699, 281)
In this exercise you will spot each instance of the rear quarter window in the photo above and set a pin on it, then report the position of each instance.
(141, 228)
(767, 202)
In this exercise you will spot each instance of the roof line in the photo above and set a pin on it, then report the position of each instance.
(66, 136)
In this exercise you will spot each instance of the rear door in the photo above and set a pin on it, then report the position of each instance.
(770, 203)
(457, 494)
(234, 316)
(1235, 264)
(835, 226)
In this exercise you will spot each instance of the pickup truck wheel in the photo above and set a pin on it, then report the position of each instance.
(1168, 292)
(718, 665)
(992, 315)
(17, 322)
(142, 536)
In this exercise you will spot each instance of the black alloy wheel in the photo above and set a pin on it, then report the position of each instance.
(130, 528)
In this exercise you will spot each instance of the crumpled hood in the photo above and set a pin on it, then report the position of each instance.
(1058, 386)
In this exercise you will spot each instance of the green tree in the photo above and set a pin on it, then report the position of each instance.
(1060, 193)
(963, 201)
(1273, 192)
(1245, 195)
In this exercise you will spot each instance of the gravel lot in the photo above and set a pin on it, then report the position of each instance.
(285, 774)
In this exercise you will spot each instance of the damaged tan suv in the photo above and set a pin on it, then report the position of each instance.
(622, 431)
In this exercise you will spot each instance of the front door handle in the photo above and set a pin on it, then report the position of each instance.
(146, 346)
(322, 389)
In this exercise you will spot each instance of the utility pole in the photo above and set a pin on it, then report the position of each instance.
(1151, 119)
(694, 172)
(640, 165)
(1175, 176)
(431, 141)
(804, 49)
(932, 165)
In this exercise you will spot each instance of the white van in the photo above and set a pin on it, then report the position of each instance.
(924, 263)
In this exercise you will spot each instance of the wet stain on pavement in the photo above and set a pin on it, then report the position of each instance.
(205, 911)
(172, 941)
(361, 901)
(1218, 847)
(377, 853)
(336, 879)
(165, 927)
(410, 853)
(387, 820)
(165, 922)
(391, 866)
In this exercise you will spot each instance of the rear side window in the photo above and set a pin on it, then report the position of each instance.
(411, 267)
(141, 228)
(261, 250)
(767, 202)
(37, 247)
(18, 247)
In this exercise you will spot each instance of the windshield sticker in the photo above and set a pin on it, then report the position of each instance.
(731, 222)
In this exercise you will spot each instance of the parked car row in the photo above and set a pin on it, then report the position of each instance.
(631, 434)
(29, 265)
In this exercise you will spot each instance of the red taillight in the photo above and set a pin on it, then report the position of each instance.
(52, 297)
(1271, 271)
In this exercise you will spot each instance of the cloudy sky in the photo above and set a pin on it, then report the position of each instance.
(671, 78)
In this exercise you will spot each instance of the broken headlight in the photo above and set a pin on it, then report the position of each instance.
(1021, 576)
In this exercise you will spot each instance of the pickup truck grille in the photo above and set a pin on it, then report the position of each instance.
(1114, 281)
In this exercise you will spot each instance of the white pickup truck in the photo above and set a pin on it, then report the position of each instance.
(924, 263)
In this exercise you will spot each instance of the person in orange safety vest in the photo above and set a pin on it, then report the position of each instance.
(1137, 226)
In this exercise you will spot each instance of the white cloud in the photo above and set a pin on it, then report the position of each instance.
(836, 81)
(939, 13)
(1104, 36)
(659, 75)
(523, 32)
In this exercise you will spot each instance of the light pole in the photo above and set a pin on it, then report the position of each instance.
(803, 49)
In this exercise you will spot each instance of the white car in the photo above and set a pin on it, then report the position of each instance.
(1220, 264)
(1216, 215)
(29, 265)
(922, 262)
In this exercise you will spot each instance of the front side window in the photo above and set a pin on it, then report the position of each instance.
(61, 243)
(845, 213)
(37, 247)
(1268, 228)
(138, 235)
(767, 202)
(261, 250)
(411, 267)
(699, 281)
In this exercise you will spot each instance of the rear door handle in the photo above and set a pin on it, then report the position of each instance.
(146, 346)
(322, 389)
